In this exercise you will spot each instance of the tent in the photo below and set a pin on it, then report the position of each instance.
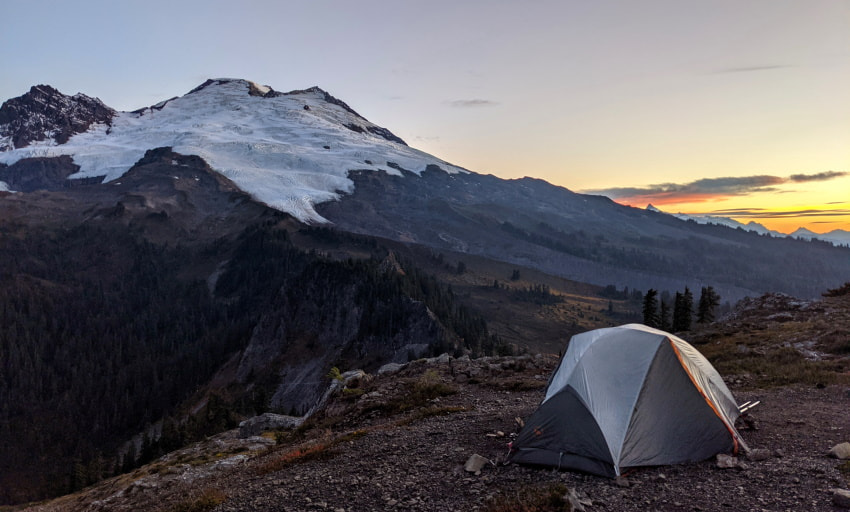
(629, 396)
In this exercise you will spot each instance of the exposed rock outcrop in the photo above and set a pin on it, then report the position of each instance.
(44, 113)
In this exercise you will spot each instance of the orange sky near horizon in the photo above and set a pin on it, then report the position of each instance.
(818, 207)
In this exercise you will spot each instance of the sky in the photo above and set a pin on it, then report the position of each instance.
(724, 107)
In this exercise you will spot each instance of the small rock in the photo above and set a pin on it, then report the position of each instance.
(840, 451)
(577, 504)
(778, 453)
(622, 481)
(727, 461)
(474, 463)
(758, 454)
(841, 498)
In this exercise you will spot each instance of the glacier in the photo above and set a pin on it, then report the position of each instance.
(290, 151)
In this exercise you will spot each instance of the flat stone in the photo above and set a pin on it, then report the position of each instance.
(475, 463)
(727, 461)
(390, 368)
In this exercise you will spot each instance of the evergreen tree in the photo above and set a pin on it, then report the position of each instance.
(708, 301)
(682, 311)
(650, 309)
(665, 316)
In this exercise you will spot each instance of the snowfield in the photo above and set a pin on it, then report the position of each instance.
(290, 151)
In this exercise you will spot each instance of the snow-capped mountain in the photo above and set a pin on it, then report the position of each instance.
(835, 237)
(288, 150)
(755, 227)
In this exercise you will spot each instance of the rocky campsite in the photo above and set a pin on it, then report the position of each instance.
(433, 434)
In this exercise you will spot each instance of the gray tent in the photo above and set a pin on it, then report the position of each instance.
(629, 396)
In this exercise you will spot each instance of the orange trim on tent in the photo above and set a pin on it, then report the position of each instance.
(706, 398)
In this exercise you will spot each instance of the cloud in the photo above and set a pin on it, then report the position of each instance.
(780, 214)
(748, 69)
(477, 102)
(708, 189)
(821, 176)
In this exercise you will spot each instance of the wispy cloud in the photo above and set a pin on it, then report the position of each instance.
(477, 102)
(780, 214)
(749, 69)
(709, 189)
(821, 176)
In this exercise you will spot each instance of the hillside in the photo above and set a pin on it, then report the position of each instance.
(202, 307)
(399, 440)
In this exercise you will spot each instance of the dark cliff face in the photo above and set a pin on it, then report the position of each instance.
(31, 174)
(44, 113)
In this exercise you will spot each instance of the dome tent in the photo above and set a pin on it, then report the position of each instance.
(629, 396)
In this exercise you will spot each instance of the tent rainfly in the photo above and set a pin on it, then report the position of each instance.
(629, 396)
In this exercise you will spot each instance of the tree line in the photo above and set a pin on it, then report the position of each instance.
(679, 316)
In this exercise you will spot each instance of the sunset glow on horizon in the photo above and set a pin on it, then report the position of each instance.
(818, 202)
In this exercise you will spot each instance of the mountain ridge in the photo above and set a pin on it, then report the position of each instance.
(836, 236)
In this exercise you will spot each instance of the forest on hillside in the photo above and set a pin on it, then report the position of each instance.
(104, 333)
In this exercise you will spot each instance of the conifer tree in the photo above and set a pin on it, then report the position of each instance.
(682, 311)
(665, 316)
(708, 301)
(650, 309)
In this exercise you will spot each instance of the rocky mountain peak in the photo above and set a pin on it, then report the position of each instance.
(45, 114)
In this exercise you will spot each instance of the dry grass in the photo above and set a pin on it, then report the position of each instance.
(429, 412)
(766, 352)
(416, 393)
(316, 449)
(550, 498)
(208, 499)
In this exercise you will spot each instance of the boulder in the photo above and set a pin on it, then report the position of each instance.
(840, 451)
(268, 421)
(390, 368)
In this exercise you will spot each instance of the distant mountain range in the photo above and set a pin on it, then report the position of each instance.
(835, 237)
